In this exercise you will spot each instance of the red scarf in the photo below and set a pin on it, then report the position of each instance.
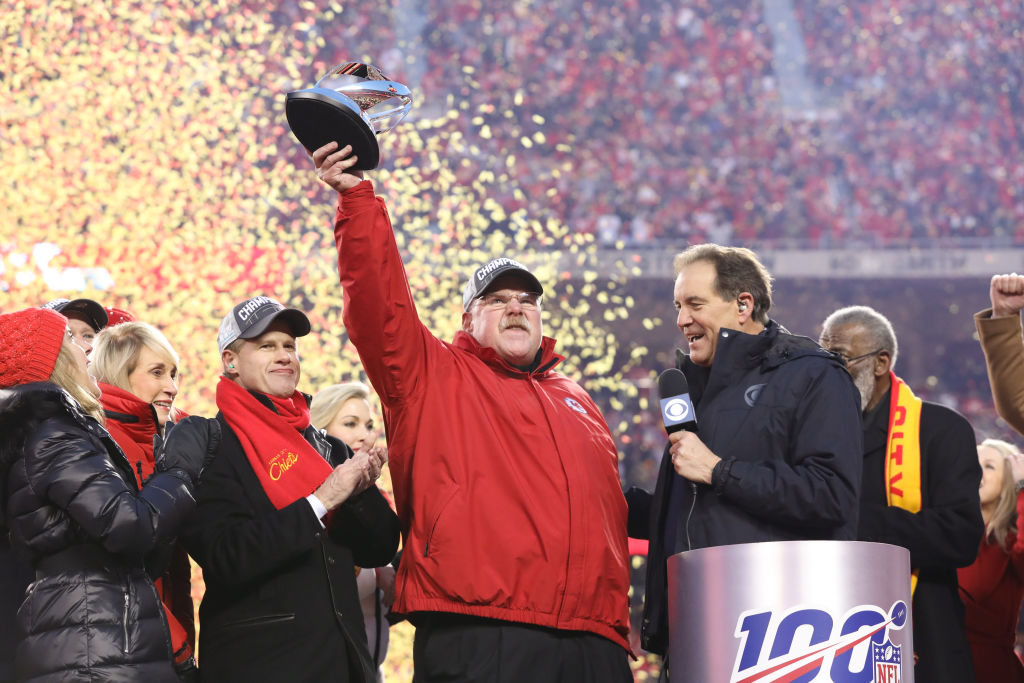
(287, 466)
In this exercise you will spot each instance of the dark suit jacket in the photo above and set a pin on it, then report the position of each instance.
(944, 535)
(281, 601)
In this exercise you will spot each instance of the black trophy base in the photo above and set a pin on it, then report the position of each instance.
(318, 116)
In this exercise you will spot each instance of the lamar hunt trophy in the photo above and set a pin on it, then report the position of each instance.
(351, 104)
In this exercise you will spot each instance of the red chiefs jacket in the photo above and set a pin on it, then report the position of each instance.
(506, 481)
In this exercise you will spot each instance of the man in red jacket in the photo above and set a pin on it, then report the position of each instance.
(515, 566)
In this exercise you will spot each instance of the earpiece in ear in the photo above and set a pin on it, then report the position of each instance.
(231, 366)
(743, 306)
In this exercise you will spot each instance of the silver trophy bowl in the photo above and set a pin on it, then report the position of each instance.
(351, 104)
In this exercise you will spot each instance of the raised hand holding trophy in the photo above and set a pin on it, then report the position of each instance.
(351, 104)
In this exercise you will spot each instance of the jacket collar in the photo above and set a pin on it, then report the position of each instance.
(317, 438)
(738, 352)
(24, 406)
(134, 415)
(38, 401)
(548, 358)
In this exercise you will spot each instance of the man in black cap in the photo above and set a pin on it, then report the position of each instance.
(515, 563)
(285, 515)
(85, 319)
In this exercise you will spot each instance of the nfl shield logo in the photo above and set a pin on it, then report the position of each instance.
(886, 661)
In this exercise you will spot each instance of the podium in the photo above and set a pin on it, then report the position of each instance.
(791, 612)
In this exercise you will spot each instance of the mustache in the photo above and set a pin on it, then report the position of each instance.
(514, 321)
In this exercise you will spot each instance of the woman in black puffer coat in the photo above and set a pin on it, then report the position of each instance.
(70, 501)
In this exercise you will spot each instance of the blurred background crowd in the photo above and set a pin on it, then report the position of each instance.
(148, 165)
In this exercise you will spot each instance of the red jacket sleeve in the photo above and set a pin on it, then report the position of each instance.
(380, 316)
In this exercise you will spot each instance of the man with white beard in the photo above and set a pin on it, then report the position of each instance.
(919, 488)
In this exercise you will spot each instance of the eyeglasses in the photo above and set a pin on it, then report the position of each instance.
(850, 361)
(74, 340)
(494, 302)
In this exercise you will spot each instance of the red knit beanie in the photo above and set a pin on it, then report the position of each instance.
(29, 343)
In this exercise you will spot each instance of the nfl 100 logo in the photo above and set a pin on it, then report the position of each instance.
(804, 644)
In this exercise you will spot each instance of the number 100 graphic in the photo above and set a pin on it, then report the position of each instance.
(791, 612)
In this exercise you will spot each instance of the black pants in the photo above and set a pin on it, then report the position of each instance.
(453, 647)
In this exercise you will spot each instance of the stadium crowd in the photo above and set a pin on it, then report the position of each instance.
(147, 144)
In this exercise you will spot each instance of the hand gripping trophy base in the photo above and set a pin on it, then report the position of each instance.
(318, 116)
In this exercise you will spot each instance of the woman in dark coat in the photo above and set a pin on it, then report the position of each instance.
(72, 507)
(136, 368)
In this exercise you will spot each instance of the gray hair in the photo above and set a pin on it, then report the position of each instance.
(737, 270)
(878, 328)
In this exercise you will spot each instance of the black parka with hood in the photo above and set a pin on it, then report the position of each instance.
(72, 505)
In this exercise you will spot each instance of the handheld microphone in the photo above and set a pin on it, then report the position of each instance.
(676, 408)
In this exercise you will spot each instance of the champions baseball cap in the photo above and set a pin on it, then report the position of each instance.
(86, 310)
(491, 271)
(252, 317)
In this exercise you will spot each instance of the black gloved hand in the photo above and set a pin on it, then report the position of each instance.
(189, 446)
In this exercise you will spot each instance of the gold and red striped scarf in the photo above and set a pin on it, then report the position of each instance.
(903, 453)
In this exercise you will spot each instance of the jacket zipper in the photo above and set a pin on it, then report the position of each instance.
(124, 623)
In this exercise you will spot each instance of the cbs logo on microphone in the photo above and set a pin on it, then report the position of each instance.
(677, 410)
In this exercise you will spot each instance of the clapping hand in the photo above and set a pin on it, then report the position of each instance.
(351, 477)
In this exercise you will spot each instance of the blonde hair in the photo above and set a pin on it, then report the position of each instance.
(1003, 521)
(116, 351)
(328, 402)
(64, 375)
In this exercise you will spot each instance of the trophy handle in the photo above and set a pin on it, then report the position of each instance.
(374, 98)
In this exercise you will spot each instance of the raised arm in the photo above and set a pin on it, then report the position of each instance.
(999, 331)
(380, 315)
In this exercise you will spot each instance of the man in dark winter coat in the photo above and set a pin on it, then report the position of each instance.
(932, 507)
(285, 515)
(778, 454)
